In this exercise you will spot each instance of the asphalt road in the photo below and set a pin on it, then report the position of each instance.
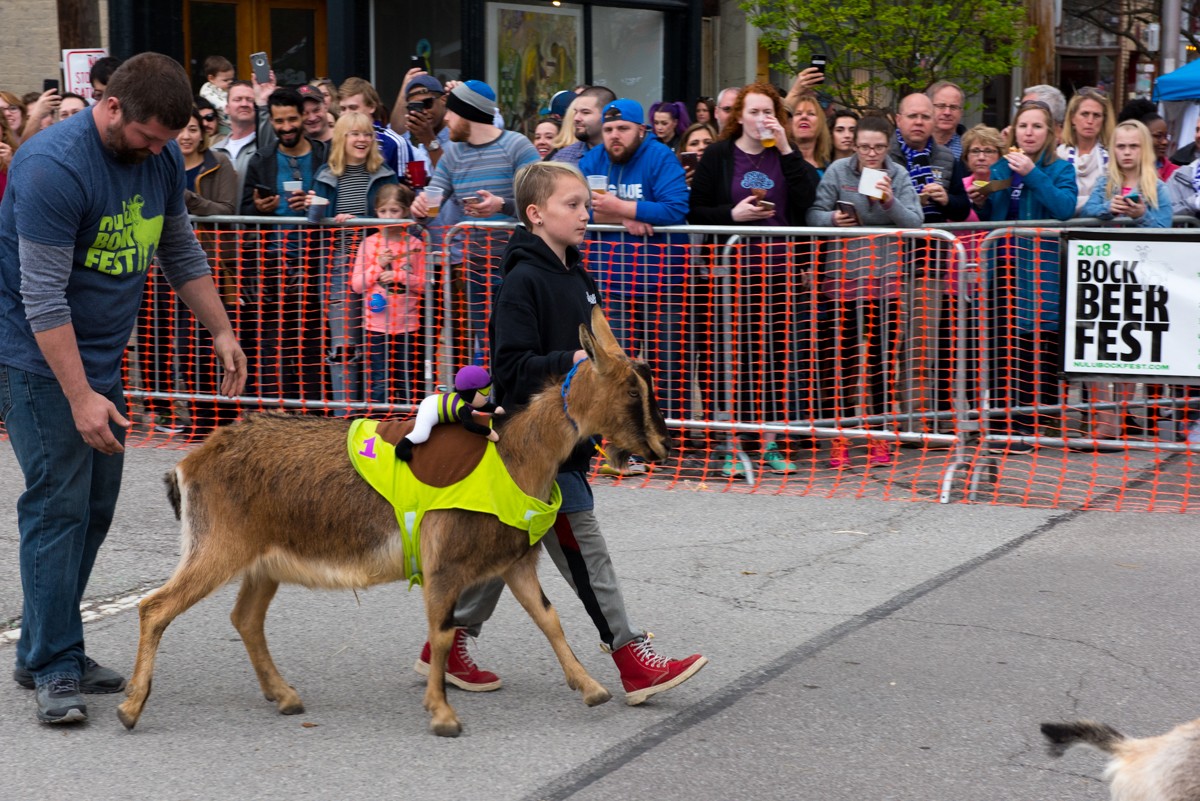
(859, 650)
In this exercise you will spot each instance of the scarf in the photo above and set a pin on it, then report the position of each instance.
(918, 169)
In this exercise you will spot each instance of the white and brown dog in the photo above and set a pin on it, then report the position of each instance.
(1163, 768)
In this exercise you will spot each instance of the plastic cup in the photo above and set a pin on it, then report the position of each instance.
(317, 209)
(293, 186)
(433, 199)
(598, 183)
(416, 173)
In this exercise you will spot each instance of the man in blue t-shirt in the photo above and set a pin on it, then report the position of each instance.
(90, 203)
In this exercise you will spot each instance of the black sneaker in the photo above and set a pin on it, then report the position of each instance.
(97, 680)
(59, 701)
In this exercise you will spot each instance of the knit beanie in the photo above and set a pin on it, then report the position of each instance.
(473, 100)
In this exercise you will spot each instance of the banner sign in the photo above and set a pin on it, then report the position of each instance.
(1130, 304)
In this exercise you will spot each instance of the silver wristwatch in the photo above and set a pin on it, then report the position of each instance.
(434, 145)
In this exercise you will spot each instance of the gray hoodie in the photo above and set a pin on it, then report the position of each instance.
(863, 268)
(1185, 199)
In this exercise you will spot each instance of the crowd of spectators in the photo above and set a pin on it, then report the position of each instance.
(748, 156)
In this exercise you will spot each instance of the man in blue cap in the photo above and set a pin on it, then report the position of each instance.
(641, 273)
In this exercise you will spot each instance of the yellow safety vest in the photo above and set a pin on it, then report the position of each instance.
(489, 489)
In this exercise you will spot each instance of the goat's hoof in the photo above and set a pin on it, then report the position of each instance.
(446, 729)
(597, 697)
(127, 720)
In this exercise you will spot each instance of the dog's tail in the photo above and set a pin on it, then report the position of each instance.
(1061, 736)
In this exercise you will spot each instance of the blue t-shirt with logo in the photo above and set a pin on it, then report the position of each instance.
(66, 190)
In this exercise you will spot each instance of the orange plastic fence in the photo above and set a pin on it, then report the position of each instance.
(884, 365)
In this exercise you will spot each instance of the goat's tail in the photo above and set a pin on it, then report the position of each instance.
(172, 482)
(1061, 736)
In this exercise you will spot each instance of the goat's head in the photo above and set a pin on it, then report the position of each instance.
(625, 409)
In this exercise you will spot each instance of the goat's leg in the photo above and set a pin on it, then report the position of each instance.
(439, 609)
(248, 616)
(193, 580)
(522, 579)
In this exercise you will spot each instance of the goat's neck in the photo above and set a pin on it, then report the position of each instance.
(538, 439)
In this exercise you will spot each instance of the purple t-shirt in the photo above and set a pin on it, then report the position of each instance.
(760, 172)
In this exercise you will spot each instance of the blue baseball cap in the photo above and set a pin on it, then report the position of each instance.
(624, 109)
(559, 103)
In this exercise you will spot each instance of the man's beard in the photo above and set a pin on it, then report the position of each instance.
(114, 140)
(460, 131)
(627, 155)
(289, 138)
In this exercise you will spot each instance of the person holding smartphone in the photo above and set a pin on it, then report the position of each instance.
(740, 181)
(861, 282)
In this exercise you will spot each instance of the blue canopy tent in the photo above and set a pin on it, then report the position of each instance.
(1182, 84)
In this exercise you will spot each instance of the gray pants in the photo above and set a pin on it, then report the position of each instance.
(578, 549)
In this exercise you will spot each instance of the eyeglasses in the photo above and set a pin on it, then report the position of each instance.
(293, 163)
(1028, 104)
(708, 101)
(871, 148)
(1092, 91)
(726, 109)
(947, 107)
(208, 117)
(983, 151)
(1161, 137)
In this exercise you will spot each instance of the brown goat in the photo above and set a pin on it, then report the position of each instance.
(275, 499)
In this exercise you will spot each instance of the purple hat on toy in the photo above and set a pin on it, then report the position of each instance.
(472, 378)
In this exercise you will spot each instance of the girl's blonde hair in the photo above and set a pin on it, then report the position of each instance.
(1147, 184)
(566, 131)
(352, 121)
(536, 182)
(1106, 129)
(1046, 155)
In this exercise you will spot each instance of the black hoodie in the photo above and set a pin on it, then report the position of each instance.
(535, 322)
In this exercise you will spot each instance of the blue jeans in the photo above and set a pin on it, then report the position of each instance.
(63, 516)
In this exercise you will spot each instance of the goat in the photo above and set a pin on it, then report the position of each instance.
(274, 498)
(1162, 768)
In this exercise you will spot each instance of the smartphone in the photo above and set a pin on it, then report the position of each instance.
(819, 61)
(846, 207)
(689, 159)
(265, 191)
(471, 200)
(415, 60)
(766, 204)
(261, 66)
(50, 83)
(1134, 197)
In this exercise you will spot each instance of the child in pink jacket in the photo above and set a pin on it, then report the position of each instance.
(389, 272)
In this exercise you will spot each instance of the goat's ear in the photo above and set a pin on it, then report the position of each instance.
(599, 343)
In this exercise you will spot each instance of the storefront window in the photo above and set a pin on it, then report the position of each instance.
(627, 48)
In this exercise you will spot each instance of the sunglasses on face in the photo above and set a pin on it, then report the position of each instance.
(208, 117)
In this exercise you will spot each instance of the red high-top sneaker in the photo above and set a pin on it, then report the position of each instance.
(645, 673)
(461, 670)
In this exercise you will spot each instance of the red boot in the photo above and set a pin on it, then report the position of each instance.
(461, 670)
(645, 673)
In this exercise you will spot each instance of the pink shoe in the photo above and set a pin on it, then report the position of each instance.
(839, 453)
(880, 453)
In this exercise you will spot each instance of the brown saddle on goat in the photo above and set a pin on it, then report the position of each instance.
(447, 457)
